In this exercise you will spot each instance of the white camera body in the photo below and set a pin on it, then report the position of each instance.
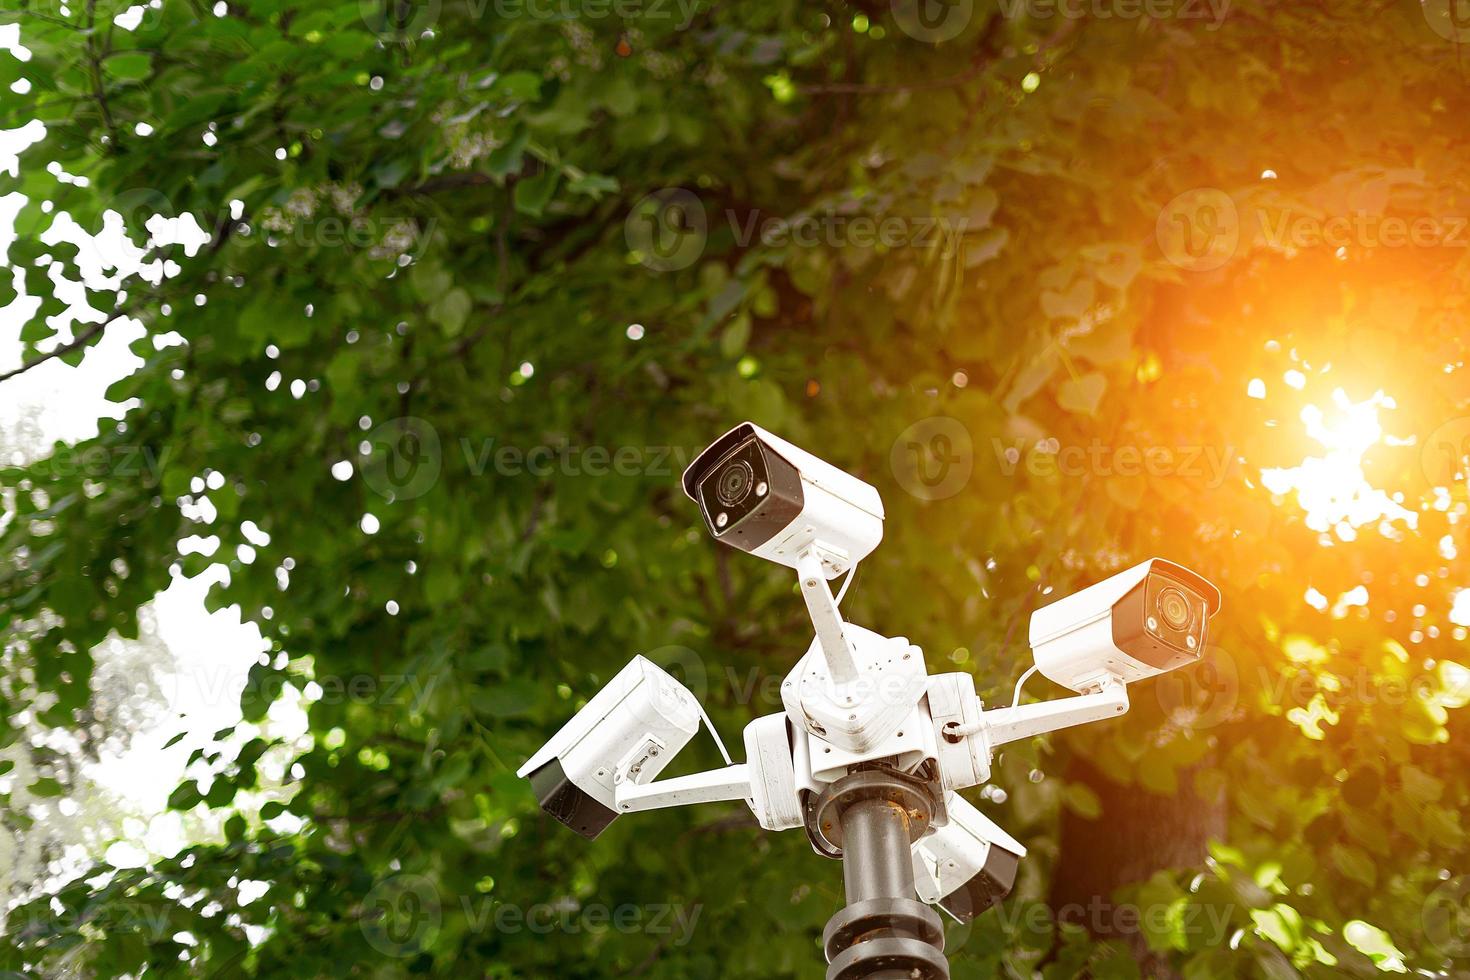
(967, 865)
(634, 725)
(1138, 623)
(763, 495)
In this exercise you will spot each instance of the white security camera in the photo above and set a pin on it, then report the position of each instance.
(761, 494)
(628, 731)
(869, 751)
(1136, 624)
(968, 865)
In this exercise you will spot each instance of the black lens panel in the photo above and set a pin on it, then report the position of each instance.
(1161, 622)
(749, 494)
(1174, 609)
(728, 491)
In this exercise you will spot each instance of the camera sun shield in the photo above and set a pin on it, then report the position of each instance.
(642, 714)
(1161, 622)
(749, 495)
(1140, 622)
(761, 494)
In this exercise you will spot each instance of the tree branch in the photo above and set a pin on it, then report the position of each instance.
(444, 183)
(77, 342)
(98, 93)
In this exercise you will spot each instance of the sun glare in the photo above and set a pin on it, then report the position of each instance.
(1332, 488)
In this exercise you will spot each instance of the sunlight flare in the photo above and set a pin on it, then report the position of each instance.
(1332, 488)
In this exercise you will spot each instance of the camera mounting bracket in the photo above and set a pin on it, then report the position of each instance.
(841, 664)
(1012, 724)
(868, 712)
(729, 783)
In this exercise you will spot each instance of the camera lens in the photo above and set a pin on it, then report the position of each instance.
(734, 483)
(1175, 610)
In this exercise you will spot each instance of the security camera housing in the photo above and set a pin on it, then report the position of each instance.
(765, 496)
(869, 752)
(1144, 621)
(968, 865)
(634, 725)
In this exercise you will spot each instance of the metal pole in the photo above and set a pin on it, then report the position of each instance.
(884, 932)
(875, 859)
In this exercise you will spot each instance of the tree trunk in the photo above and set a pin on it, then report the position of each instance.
(1137, 834)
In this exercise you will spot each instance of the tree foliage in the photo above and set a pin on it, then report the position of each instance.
(475, 280)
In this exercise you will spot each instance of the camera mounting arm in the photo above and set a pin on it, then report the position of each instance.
(730, 783)
(1012, 724)
(825, 617)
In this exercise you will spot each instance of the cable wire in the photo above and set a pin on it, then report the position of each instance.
(714, 732)
(852, 570)
(1016, 698)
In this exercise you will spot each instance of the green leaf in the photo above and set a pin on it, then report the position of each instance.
(533, 194)
(593, 185)
(1374, 943)
(130, 65)
(451, 311)
(185, 796)
(1082, 800)
(1082, 395)
(1070, 303)
(430, 280)
(1355, 864)
(507, 159)
(45, 787)
(518, 86)
(735, 336)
